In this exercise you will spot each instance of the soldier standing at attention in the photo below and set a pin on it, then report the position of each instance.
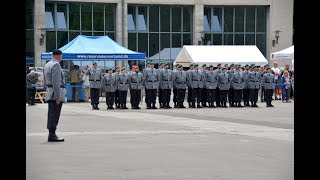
(174, 90)
(231, 92)
(180, 84)
(95, 76)
(224, 85)
(123, 85)
(143, 72)
(218, 71)
(269, 85)
(55, 93)
(109, 83)
(135, 84)
(237, 80)
(189, 80)
(197, 85)
(246, 90)
(116, 93)
(151, 80)
(211, 84)
(165, 83)
(160, 91)
(253, 79)
(204, 88)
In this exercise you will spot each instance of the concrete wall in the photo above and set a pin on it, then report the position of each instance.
(280, 17)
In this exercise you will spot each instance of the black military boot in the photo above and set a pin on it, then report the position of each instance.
(255, 104)
(125, 106)
(204, 104)
(225, 104)
(97, 108)
(239, 104)
(190, 104)
(199, 106)
(52, 137)
(270, 105)
(93, 107)
(148, 105)
(161, 105)
(193, 105)
(168, 104)
(175, 105)
(181, 105)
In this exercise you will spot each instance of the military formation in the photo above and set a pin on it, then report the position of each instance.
(206, 86)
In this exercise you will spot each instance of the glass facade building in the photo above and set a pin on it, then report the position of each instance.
(159, 30)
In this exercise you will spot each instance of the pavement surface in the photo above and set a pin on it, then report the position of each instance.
(162, 144)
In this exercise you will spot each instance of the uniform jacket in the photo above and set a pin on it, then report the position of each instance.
(151, 78)
(123, 81)
(53, 79)
(196, 79)
(237, 80)
(180, 79)
(165, 78)
(109, 82)
(95, 77)
(211, 80)
(253, 79)
(135, 80)
(224, 81)
(268, 81)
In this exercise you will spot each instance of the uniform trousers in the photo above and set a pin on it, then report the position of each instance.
(223, 95)
(204, 95)
(237, 96)
(190, 94)
(175, 93)
(246, 93)
(135, 97)
(196, 95)
(160, 97)
(94, 95)
(54, 110)
(166, 93)
(110, 98)
(123, 97)
(116, 97)
(231, 95)
(151, 96)
(211, 95)
(268, 95)
(253, 96)
(181, 93)
(218, 96)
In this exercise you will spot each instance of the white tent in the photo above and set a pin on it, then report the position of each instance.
(223, 54)
(287, 53)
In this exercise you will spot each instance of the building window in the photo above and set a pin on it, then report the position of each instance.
(242, 25)
(65, 21)
(159, 30)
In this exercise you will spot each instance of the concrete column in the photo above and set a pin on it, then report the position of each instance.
(121, 29)
(39, 23)
(197, 23)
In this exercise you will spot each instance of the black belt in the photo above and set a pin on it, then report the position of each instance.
(123, 83)
(166, 80)
(223, 83)
(109, 84)
(52, 86)
(254, 81)
(196, 80)
(181, 82)
(135, 82)
(152, 81)
(94, 80)
(268, 82)
(238, 82)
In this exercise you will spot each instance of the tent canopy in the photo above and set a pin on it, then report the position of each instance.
(223, 54)
(287, 53)
(95, 48)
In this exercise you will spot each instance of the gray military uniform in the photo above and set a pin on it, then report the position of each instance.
(109, 82)
(269, 85)
(151, 81)
(54, 81)
(253, 79)
(95, 76)
(224, 81)
(123, 82)
(135, 84)
(180, 79)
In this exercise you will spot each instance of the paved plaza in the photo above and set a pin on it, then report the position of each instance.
(162, 144)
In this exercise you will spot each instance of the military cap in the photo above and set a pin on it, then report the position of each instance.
(231, 65)
(176, 65)
(133, 66)
(210, 66)
(117, 67)
(148, 62)
(180, 65)
(223, 68)
(94, 63)
(151, 62)
(238, 67)
(56, 52)
(195, 65)
(110, 69)
(268, 68)
(191, 64)
(123, 68)
(246, 65)
(204, 65)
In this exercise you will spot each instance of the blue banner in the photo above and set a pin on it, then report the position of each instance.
(79, 57)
